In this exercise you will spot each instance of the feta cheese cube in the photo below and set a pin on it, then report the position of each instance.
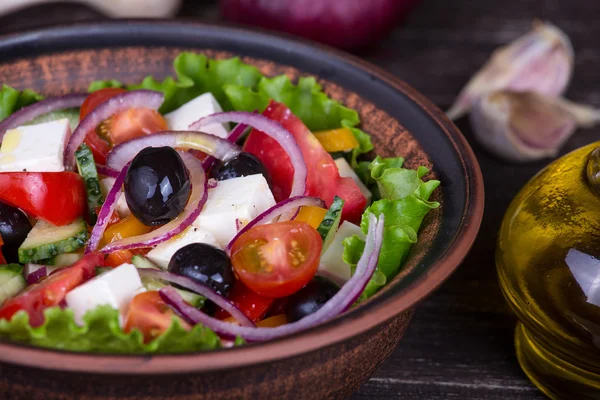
(121, 208)
(346, 170)
(162, 253)
(35, 148)
(332, 265)
(232, 204)
(193, 110)
(115, 288)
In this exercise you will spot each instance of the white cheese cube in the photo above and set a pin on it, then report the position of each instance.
(332, 265)
(35, 148)
(193, 110)
(115, 288)
(346, 170)
(232, 204)
(121, 208)
(162, 253)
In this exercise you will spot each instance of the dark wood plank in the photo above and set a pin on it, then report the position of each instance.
(460, 343)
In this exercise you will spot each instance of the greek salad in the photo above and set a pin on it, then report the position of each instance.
(208, 210)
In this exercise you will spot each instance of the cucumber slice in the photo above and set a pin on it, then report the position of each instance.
(72, 114)
(143, 262)
(331, 222)
(46, 240)
(66, 259)
(12, 281)
(87, 170)
(101, 270)
(194, 299)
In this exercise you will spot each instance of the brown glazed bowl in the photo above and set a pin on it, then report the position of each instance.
(327, 362)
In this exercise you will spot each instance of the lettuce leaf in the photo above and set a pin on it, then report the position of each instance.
(404, 203)
(101, 333)
(12, 100)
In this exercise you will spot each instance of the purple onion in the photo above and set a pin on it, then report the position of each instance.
(233, 136)
(34, 272)
(107, 171)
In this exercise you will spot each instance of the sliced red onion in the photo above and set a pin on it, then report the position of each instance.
(270, 128)
(107, 171)
(278, 209)
(233, 136)
(199, 288)
(198, 196)
(106, 211)
(124, 101)
(339, 303)
(42, 107)
(34, 272)
(207, 143)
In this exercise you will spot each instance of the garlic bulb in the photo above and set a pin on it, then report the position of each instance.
(541, 61)
(526, 126)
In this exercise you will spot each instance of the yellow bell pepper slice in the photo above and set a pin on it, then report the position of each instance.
(334, 140)
(127, 227)
(311, 215)
(272, 322)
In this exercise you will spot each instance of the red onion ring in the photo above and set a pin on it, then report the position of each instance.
(339, 303)
(106, 211)
(272, 129)
(278, 209)
(107, 171)
(233, 136)
(199, 288)
(207, 143)
(34, 272)
(198, 196)
(42, 107)
(134, 99)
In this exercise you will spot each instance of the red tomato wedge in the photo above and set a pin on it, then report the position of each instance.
(253, 305)
(277, 260)
(149, 314)
(57, 197)
(2, 259)
(52, 290)
(323, 179)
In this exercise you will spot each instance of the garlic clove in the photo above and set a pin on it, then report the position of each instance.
(540, 61)
(527, 126)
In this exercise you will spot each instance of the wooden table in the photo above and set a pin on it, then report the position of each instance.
(460, 343)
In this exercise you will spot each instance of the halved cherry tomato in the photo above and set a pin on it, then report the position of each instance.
(52, 290)
(323, 179)
(276, 260)
(151, 315)
(254, 306)
(57, 197)
(120, 127)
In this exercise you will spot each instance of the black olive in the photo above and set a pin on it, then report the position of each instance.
(243, 164)
(14, 228)
(157, 185)
(206, 264)
(310, 298)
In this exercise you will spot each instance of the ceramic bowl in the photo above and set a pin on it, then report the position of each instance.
(329, 361)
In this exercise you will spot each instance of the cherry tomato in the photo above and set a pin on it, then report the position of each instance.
(57, 197)
(98, 146)
(276, 260)
(149, 314)
(323, 179)
(52, 290)
(97, 98)
(254, 306)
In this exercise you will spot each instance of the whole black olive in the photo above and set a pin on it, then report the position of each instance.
(243, 164)
(14, 228)
(206, 264)
(157, 185)
(310, 298)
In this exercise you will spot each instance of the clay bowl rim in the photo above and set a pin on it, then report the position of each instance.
(362, 319)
